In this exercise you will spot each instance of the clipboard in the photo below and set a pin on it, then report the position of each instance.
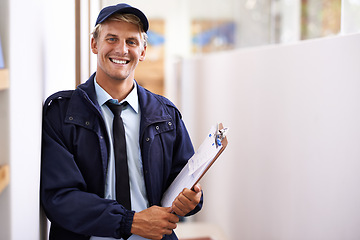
(209, 151)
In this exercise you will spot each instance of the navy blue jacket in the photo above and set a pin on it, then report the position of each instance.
(75, 154)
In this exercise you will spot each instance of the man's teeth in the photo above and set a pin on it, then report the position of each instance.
(118, 61)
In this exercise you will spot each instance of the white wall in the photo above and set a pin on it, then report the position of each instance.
(38, 43)
(26, 76)
(291, 170)
(58, 37)
(350, 16)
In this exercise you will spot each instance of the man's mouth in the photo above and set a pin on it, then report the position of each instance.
(118, 61)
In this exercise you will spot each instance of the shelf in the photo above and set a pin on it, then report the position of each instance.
(4, 79)
(4, 177)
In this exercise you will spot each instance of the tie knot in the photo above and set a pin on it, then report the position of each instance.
(116, 108)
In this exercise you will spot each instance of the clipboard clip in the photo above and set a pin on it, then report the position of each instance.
(220, 134)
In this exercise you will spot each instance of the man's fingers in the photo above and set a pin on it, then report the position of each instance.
(154, 222)
(197, 188)
(192, 196)
(187, 200)
(182, 205)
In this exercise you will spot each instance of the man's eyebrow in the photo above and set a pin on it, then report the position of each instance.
(133, 38)
(110, 35)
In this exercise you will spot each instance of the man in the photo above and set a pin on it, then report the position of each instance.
(79, 171)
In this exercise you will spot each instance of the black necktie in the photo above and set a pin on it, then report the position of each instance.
(121, 166)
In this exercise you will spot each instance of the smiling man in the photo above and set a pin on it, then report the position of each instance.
(104, 171)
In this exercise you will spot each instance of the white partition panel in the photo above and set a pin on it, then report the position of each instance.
(292, 167)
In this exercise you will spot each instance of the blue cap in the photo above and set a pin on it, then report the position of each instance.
(106, 12)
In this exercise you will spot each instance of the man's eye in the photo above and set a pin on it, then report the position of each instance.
(130, 42)
(111, 39)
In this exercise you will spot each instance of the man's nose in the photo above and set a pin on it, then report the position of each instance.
(122, 48)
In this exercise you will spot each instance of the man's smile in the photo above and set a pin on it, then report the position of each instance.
(119, 61)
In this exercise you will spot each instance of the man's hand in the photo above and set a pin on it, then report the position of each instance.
(154, 222)
(187, 200)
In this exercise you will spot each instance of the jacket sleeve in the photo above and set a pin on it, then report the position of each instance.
(63, 190)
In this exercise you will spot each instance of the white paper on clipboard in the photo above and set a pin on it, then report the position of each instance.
(196, 167)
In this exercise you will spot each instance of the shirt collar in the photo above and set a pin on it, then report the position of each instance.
(103, 96)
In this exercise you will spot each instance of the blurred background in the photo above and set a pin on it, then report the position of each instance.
(283, 75)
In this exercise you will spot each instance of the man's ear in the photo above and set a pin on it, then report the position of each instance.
(143, 53)
(94, 45)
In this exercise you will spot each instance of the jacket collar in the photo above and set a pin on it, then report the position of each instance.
(151, 106)
(87, 90)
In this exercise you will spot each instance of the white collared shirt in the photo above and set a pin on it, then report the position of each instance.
(131, 118)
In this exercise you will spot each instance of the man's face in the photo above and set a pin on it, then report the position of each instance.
(119, 49)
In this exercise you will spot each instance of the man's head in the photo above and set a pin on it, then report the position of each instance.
(119, 41)
(122, 12)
